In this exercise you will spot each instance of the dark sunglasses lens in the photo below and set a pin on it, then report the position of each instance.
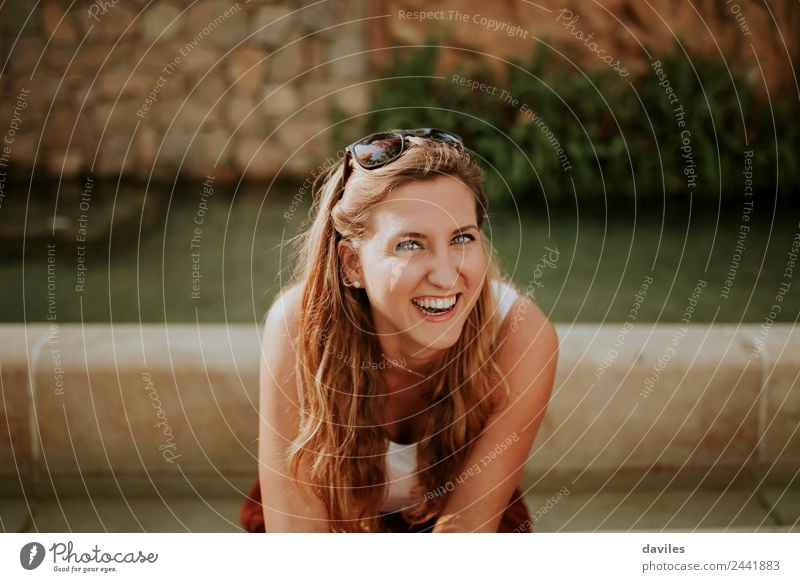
(378, 149)
(437, 134)
(446, 136)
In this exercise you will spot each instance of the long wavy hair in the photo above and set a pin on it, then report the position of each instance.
(342, 404)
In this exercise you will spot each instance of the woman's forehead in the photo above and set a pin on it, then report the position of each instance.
(441, 201)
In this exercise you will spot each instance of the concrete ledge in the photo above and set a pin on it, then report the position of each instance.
(154, 404)
(654, 400)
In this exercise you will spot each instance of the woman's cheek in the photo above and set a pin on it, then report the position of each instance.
(478, 262)
(397, 272)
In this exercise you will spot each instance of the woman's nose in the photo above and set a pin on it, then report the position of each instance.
(444, 270)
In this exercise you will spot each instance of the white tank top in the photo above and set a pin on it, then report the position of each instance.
(401, 460)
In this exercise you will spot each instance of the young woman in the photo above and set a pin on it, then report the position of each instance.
(402, 382)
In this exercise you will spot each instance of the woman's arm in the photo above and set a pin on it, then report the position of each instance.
(527, 358)
(288, 505)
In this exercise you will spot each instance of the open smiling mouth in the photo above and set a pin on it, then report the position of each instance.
(437, 306)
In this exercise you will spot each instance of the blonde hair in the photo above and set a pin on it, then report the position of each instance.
(341, 404)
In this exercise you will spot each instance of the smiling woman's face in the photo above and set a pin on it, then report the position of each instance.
(422, 266)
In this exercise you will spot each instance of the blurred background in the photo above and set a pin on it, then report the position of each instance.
(635, 139)
(642, 164)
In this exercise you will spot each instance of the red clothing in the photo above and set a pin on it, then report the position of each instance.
(515, 519)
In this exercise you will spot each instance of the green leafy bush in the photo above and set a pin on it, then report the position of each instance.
(619, 137)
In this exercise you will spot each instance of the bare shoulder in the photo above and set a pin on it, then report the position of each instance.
(283, 317)
(528, 346)
(278, 343)
(287, 303)
(527, 317)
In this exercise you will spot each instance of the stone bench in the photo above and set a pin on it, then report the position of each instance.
(155, 407)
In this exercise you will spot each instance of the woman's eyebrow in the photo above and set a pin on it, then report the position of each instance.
(421, 235)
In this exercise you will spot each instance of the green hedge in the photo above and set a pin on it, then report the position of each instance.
(620, 136)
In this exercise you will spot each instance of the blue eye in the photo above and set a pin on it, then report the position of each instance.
(405, 245)
(402, 245)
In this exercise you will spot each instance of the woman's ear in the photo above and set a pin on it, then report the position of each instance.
(349, 261)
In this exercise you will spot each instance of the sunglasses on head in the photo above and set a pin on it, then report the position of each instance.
(379, 149)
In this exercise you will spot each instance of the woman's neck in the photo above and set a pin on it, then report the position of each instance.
(420, 365)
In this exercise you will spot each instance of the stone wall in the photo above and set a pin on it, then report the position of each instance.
(756, 36)
(228, 88)
(245, 88)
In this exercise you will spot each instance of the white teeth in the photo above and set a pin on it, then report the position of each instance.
(446, 303)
